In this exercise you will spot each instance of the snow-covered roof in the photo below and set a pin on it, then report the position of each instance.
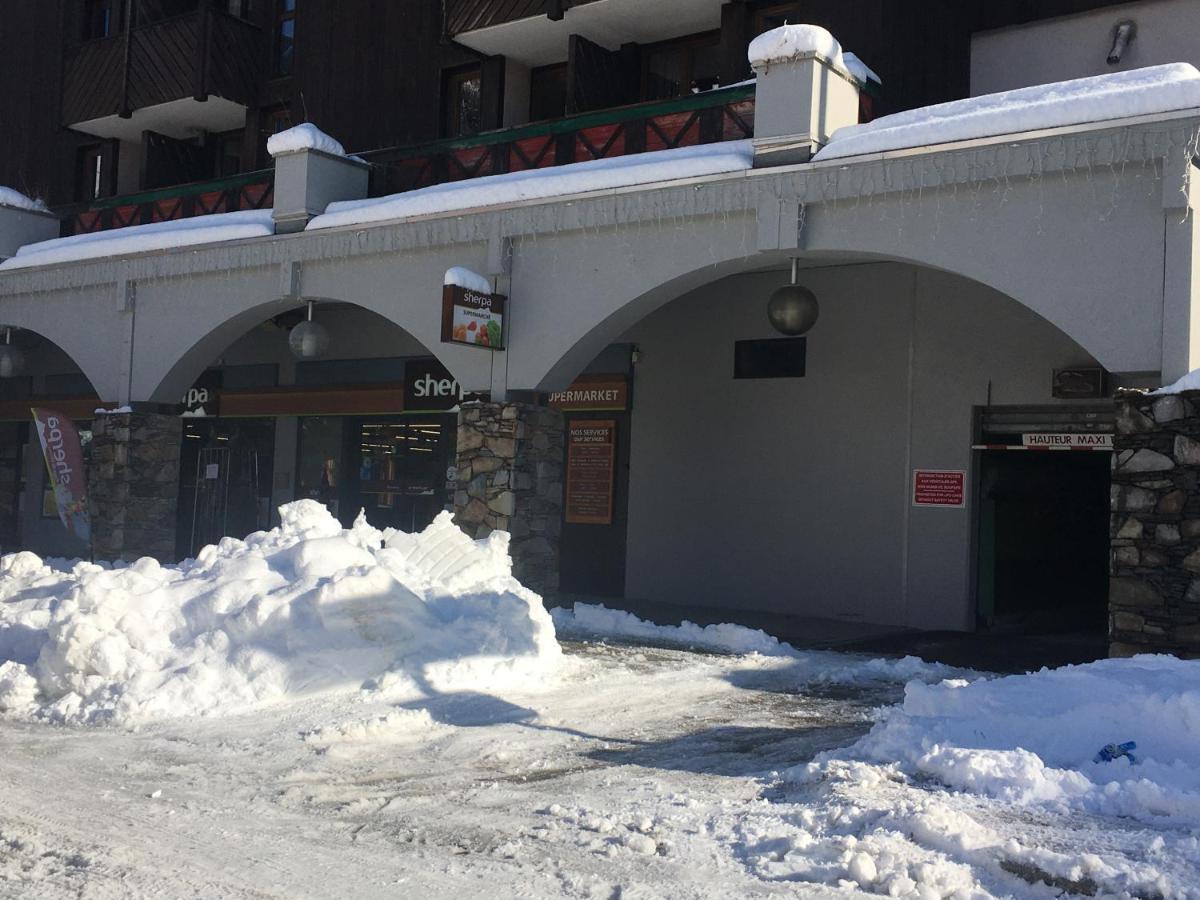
(140, 238)
(17, 200)
(792, 41)
(538, 184)
(1140, 92)
(303, 137)
(859, 69)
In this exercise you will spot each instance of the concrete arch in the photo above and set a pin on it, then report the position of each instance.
(1096, 295)
(93, 343)
(186, 336)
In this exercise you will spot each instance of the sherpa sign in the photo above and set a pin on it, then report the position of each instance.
(469, 317)
(428, 385)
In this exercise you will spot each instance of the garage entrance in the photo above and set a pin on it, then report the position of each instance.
(1043, 522)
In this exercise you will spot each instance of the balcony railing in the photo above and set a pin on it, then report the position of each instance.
(199, 53)
(720, 115)
(251, 190)
(706, 118)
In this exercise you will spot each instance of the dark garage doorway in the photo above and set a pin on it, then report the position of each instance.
(1043, 540)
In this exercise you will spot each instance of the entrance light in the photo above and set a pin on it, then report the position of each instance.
(12, 360)
(793, 309)
(309, 339)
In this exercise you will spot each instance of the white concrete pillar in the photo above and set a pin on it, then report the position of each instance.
(311, 171)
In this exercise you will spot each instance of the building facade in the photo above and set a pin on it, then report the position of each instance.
(641, 430)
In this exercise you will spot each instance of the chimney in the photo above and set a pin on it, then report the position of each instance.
(22, 221)
(312, 170)
(805, 93)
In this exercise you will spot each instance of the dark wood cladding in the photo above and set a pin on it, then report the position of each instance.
(193, 55)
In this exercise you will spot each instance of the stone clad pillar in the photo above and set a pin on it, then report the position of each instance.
(133, 483)
(1154, 592)
(509, 476)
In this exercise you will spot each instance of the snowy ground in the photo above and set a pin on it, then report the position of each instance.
(641, 772)
(327, 712)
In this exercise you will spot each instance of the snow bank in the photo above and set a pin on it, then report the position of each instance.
(1189, 382)
(304, 608)
(17, 200)
(540, 184)
(807, 667)
(1140, 92)
(303, 137)
(597, 620)
(465, 278)
(141, 238)
(1031, 739)
(791, 41)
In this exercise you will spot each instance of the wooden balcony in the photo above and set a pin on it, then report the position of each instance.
(720, 115)
(252, 190)
(193, 56)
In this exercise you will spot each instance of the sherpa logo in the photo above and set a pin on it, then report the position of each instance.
(429, 387)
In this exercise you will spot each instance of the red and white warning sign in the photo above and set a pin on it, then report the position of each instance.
(939, 487)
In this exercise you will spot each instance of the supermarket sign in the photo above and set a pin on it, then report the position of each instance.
(472, 318)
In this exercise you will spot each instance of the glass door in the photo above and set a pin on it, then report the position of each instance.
(401, 471)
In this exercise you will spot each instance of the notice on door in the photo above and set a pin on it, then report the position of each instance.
(939, 487)
(591, 471)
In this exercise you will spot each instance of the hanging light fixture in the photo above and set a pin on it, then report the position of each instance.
(12, 360)
(309, 339)
(793, 309)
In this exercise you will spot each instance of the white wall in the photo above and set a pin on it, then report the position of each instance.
(792, 495)
(1077, 46)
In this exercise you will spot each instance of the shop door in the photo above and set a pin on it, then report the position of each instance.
(12, 446)
(400, 468)
(592, 560)
(224, 481)
(1043, 540)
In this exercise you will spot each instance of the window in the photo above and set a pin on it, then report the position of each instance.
(229, 153)
(90, 173)
(461, 102)
(101, 18)
(771, 358)
(285, 36)
(685, 66)
(775, 16)
(548, 92)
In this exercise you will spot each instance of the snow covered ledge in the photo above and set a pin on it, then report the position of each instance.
(23, 221)
(805, 93)
(311, 171)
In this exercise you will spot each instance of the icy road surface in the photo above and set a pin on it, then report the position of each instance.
(641, 772)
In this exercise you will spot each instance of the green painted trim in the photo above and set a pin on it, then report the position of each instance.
(568, 124)
(170, 193)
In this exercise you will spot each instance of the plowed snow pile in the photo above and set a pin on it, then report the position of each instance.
(304, 608)
(1032, 739)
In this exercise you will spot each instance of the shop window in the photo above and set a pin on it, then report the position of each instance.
(684, 66)
(772, 358)
(91, 172)
(548, 93)
(101, 18)
(462, 106)
(285, 37)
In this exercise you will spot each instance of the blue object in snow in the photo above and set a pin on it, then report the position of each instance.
(1115, 751)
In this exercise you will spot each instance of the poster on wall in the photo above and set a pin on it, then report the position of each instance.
(591, 471)
(64, 462)
(473, 318)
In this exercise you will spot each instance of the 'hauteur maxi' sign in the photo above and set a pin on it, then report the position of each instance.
(471, 317)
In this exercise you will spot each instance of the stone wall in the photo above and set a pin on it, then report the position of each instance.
(510, 470)
(1154, 594)
(133, 482)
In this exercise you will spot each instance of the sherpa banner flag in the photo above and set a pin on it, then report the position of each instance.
(64, 462)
